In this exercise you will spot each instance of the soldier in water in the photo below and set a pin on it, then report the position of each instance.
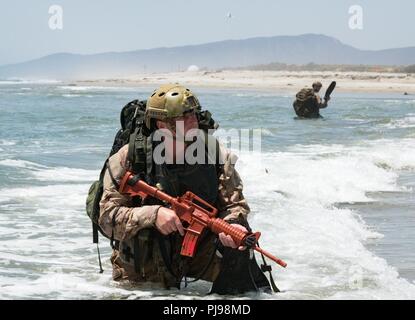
(308, 102)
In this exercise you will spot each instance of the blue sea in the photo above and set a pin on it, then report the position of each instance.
(333, 197)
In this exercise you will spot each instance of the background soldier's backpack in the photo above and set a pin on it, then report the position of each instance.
(303, 104)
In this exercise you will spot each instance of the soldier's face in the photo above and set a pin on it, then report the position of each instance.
(316, 88)
(180, 125)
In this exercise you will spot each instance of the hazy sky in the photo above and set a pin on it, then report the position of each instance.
(92, 26)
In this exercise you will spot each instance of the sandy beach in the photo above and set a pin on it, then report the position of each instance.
(284, 81)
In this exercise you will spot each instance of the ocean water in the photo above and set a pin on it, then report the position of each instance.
(333, 197)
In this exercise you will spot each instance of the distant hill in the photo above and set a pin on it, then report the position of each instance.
(276, 66)
(303, 49)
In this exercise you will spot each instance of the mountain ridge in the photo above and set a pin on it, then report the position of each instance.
(301, 49)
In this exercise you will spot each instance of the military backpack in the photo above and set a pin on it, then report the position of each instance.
(304, 102)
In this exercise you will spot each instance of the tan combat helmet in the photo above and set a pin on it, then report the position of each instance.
(170, 101)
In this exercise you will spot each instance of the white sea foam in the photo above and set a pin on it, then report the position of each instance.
(7, 143)
(407, 122)
(49, 253)
(257, 95)
(21, 164)
(44, 173)
(71, 95)
(94, 88)
(28, 81)
(306, 180)
(291, 195)
(397, 154)
(267, 132)
(60, 285)
(293, 205)
(64, 194)
(331, 174)
(66, 174)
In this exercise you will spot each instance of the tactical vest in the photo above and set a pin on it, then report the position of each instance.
(175, 180)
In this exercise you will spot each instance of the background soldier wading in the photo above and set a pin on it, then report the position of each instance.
(308, 102)
(146, 237)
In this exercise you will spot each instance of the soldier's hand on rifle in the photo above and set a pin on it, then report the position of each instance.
(227, 240)
(167, 221)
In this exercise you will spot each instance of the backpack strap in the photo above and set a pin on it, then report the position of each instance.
(133, 136)
(148, 150)
(218, 165)
(114, 181)
(138, 152)
(95, 227)
(267, 268)
(131, 147)
(137, 146)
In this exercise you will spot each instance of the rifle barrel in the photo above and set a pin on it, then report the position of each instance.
(269, 255)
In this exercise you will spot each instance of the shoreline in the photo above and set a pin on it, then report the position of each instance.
(276, 81)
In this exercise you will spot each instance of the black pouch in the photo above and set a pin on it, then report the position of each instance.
(239, 274)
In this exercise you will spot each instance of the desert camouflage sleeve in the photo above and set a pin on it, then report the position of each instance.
(118, 217)
(232, 203)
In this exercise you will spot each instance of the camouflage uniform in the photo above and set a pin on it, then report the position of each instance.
(308, 103)
(122, 221)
